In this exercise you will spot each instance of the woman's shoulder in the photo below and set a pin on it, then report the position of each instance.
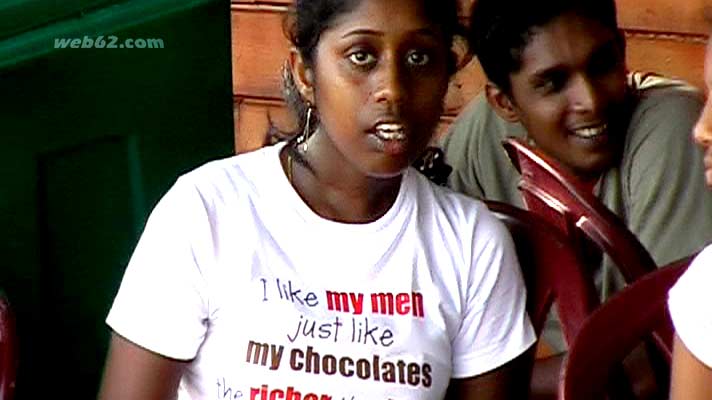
(259, 159)
(250, 169)
(443, 193)
(452, 205)
(221, 182)
(700, 270)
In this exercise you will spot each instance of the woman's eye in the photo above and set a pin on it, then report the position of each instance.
(418, 58)
(361, 58)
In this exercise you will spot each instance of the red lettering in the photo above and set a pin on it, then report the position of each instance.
(265, 393)
(262, 392)
(403, 303)
(292, 395)
(418, 309)
(382, 303)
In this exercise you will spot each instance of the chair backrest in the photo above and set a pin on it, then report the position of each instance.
(8, 350)
(551, 268)
(552, 193)
(615, 328)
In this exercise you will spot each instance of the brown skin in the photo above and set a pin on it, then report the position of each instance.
(545, 378)
(374, 63)
(572, 77)
(505, 382)
(132, 372)
(691, 379)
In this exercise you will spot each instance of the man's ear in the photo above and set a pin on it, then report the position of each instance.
(622, 45)
(501, 102)
(302, 74)
(621, 40)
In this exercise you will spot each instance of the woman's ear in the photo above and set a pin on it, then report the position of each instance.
(501, 102)
(302, 75)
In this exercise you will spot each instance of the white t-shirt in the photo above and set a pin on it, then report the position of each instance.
(690, 303)
(268, 299)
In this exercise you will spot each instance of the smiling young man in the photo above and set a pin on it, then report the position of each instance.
(557, 76)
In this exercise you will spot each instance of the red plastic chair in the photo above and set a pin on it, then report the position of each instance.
(551, 268)
(552, 193)
(8, 350)
(555, 195)
(615, 328)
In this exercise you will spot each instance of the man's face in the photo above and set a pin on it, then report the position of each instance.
(569, 93)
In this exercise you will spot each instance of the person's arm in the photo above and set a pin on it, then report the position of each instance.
(159, 312)
(494, 347)
(546, 375)
(134, 373)
(509, 381)
(691, 379)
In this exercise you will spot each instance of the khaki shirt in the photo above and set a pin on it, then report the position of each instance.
(658, 188)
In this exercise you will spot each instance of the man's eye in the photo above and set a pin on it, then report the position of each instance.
(546, 86)
(361, 58)
(550, 85)
(418, 58)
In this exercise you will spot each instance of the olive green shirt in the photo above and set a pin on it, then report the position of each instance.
(658, 188)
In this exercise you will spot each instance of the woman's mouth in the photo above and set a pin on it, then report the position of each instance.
(390, 131)
(390, 138)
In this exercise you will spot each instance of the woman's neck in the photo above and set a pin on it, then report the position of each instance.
(340, 194)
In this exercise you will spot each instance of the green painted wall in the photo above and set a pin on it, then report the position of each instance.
(89, 140)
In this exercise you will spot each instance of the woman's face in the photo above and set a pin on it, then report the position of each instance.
(569, 93)
(378, 81)
(703, 128)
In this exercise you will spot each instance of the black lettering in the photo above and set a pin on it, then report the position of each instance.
(427, 380)
(413, 374)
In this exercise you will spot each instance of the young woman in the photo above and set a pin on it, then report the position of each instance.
(326, 267)
(690, 298)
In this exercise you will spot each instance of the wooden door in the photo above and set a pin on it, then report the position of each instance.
(91, 138)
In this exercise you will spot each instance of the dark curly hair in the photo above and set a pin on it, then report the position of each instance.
(500, 30)
(308, 19)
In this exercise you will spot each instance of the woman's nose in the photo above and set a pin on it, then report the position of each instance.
(390, 88)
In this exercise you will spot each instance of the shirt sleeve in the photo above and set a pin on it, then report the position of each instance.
(161, 304)
(664, 188)
(473, 148)
(496, 328)
(690, 303)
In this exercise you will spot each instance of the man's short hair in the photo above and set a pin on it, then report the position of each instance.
(500, 30)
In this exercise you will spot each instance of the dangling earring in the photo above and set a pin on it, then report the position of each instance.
(302, 140)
